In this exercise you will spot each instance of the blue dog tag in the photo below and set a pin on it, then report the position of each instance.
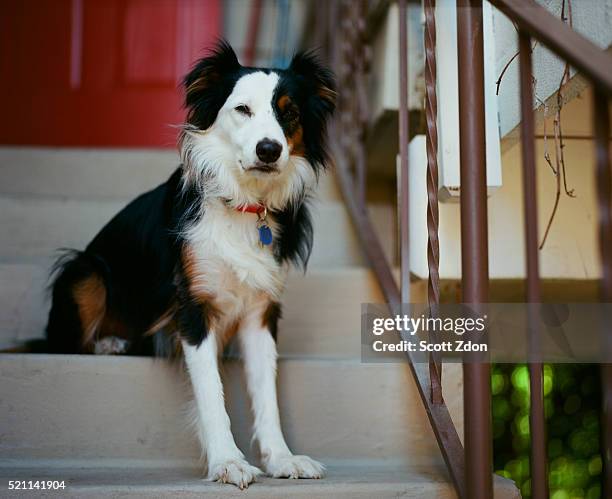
(265, 235)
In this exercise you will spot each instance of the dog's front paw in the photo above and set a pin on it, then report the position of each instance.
(290, 466)
(236, 471)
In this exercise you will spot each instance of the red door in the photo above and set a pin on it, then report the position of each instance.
(98, 72)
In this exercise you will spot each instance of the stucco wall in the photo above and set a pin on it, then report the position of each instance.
(591, 18)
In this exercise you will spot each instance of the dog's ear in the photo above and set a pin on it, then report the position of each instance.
(207, 85)
(320, 80)
(319, 88)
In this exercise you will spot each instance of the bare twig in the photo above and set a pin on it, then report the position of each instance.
(503, 71)
(566, 75)
(559, 170)
(557, 176)
(545, 131)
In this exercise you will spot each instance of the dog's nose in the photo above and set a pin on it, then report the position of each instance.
(268, 150)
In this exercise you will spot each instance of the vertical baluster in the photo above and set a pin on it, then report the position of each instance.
(601, 117)
(403, 145)
(537, 425)
(332, 37)
(359, 11)
(474, 245)
(433, 246)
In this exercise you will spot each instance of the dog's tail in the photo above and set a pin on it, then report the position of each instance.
(79, 296)
(39, 345)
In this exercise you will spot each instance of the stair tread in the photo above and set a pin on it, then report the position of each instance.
(139, 404)
(361, 480)
(136, 403)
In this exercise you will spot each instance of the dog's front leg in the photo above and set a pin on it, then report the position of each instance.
(260, 359)
(225, 461)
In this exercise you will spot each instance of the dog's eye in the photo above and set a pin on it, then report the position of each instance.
(291, 115)
(242, 109)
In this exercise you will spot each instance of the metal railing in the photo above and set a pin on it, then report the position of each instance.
(348, 40)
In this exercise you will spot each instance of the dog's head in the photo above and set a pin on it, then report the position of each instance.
(257, 130)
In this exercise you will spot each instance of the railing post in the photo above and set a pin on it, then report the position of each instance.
(474, 245)
(601, 118)
(537, 424)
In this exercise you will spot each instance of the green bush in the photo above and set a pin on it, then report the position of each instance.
(572, 406)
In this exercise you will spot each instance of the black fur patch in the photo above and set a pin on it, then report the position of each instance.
(193, 320)
(136, 255)
(296, 236)
(209, 84)
(312, 88)
(271, 317)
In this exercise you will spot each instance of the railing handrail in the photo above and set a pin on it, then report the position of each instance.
(561, 39)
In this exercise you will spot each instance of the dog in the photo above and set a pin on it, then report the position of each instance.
(204, 257)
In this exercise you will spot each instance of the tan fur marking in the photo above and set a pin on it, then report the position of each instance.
(283, 102)
(90, 297)
(190, 269)
(328, 94)
(112, 326)
(206, 300)
(229, 332)
(178, 348)
(161, 322)
(189, 264)
(296, 142)
(197, 85)
(202, 82)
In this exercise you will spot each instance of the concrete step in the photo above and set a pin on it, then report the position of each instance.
(96, 407)
(321, 310)
(36, 226)
(98, 173)
(344, 480)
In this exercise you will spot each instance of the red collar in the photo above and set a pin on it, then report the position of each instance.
(251, 208)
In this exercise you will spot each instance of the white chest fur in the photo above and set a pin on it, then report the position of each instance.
(227, 263)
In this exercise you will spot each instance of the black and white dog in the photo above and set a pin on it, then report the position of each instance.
(204, 256)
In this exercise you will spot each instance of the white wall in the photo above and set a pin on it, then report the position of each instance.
(384, 78)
